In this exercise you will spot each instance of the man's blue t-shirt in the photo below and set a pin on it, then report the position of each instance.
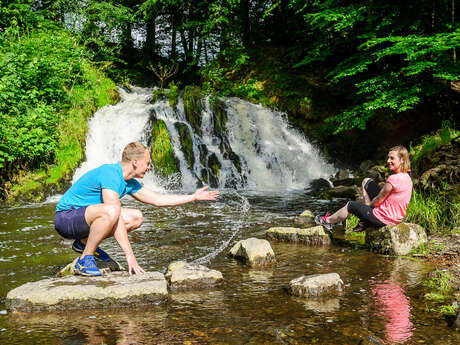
(88, 188)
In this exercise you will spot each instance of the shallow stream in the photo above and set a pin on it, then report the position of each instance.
(382, 297)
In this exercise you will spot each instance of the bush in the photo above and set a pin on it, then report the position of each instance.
(38, 72)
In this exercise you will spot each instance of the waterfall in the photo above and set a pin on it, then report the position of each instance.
(234, 144)
(113, 127)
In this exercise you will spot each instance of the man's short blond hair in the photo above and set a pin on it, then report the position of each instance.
(133, 150)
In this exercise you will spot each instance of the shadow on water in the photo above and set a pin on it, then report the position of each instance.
(381, 297)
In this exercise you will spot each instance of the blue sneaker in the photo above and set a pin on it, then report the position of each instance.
(99, 254)
(87, 266)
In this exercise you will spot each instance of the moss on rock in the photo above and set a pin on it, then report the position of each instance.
(161, 150)
(192, 106)
(187, 143)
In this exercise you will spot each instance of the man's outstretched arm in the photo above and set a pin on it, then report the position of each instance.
(150, 197)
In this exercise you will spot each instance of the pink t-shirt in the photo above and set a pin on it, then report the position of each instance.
(393, 208)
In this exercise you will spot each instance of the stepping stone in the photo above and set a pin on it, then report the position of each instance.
(186, 276)
(316, 285)
(253, 252)
(117, 289)
(314, 236)
(395, 239)
(305, 220)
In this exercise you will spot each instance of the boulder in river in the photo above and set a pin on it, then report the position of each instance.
(314, 236)
(397, 239)
(186, 276)
(305, 220)
(254, 252)
(117, 289)
(316, 285)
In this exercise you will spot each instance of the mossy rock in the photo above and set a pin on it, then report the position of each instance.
(162, 152)
(192, 106)
(187, 143)
(220, 117)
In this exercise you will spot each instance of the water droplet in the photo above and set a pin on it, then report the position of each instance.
(92, 317)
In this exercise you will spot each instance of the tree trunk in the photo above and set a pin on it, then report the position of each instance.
(246, 37)
(150, 39)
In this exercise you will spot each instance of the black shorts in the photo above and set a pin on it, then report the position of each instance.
(71, 224)
(365, 212)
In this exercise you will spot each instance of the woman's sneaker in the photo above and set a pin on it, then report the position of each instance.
(99, 254)
(87, 266)
(322, 221)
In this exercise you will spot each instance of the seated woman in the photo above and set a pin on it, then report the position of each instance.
(382, 206)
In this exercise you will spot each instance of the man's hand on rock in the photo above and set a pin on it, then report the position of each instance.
(204, 194)
(133, 266)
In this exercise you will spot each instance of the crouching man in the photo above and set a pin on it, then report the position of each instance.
(90, 210)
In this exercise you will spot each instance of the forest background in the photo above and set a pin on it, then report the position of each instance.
(354, 75)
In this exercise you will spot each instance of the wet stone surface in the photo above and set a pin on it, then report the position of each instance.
(316, 285)
(314, 236)
(183, 276)
(76, 292)
(395, 239)
(253, 252)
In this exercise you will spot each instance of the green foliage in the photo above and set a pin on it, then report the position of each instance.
(48, 90)
(38, 72)
(440, 283)
(384, 55)
(431, 142)
(435, 211)
(173, 93)
(448, 309)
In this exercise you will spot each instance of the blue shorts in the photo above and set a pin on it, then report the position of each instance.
(71, 224)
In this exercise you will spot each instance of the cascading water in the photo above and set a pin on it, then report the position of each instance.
(234, 144)
(113, 127)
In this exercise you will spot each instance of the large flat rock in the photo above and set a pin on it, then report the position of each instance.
(314, 236)
(395, 239)
(117, 289)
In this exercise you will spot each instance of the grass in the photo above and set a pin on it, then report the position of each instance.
(435, 211)
(440, 287)
(97, 92)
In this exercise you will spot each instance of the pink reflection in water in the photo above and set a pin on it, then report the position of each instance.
(396, 307)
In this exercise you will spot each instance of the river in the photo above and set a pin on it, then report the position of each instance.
(382, 296)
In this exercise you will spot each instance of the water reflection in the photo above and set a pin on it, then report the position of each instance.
(395, 307)
(121, 327)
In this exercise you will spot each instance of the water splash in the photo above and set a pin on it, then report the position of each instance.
(239, 203)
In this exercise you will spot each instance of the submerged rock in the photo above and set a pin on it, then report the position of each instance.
(254, 252)
(316, 285)
(314, 236)
(304, 222)
(397, 239)
(185, 276)
(117, 289)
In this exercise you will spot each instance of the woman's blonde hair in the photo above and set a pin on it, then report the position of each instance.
(133, 150)
(403, 156)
